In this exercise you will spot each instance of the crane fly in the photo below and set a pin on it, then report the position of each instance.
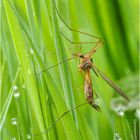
(85, 65)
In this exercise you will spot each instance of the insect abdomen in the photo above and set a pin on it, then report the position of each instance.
(89, 91)
(88, 87)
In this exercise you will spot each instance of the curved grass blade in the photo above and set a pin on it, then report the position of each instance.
(19, 44)
(68, 122)
(8, 101)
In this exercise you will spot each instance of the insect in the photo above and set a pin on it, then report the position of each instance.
(85, 65)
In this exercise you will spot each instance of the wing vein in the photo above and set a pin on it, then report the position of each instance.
(111, 83)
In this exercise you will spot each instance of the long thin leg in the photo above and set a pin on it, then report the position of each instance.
(54, 123)
(88, 55)
(99, 44)
(73, 42)
(57, 64)
(72, 28)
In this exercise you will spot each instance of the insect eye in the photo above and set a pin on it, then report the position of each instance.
(81, 56)
(91, 60)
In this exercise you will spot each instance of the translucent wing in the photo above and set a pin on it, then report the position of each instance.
(111, 83)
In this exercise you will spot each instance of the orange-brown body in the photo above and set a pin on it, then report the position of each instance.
(89, 90)
(85, 66)
(88, 87)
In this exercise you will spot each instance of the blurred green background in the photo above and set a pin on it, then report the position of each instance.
(31, 41)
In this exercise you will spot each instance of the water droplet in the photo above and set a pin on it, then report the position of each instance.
(118, 107)
(137, 114)
(31, 51)
(117, 135)
(120, 112)
(15, 87)
(14, 121)
(28, 136)
(13, 138)
(16, 94)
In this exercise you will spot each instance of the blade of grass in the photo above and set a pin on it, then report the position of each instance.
(55, 96)
(24, 61)
(8, 101)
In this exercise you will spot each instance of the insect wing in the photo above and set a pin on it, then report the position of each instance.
(111, 83)
(94, 70)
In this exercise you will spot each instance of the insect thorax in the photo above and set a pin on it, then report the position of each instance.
(86, 65)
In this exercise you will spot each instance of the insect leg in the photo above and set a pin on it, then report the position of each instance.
(73, 42)
(72, 28)
(55, 122)
(99, 44)
(57, 64)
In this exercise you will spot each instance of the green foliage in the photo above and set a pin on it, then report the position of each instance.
(33, 99)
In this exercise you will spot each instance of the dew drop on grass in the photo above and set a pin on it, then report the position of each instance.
(31, 51)
(16, 94)
(120, 112)
(137, 114)
(119, 107)
(15, 87)
(117, 135)
(14, 121)
(28, 136)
